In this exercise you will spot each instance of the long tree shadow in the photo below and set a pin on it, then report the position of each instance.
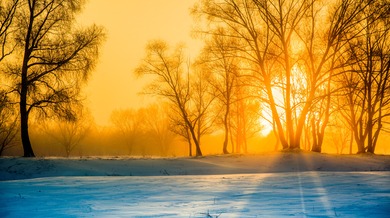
(302, 190)
(311, 193)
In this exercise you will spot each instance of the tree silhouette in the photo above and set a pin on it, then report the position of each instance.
(220, 61)
(158, 126)
(7, 14)
(265, 31)
(55, 59)
(292, 53)
(130, 123)
(8, 121)
(185, 90)
(367, 77)
(69, 133)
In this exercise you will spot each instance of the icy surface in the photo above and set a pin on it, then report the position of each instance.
(271, 185)
(293, 194)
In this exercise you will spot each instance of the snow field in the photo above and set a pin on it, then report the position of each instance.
(285, 194)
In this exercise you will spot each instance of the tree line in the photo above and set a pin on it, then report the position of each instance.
(131, 132)
(308, 63)
(307, 67)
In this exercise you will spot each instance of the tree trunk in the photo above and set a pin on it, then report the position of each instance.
(370, 110)
(225, 144)
(275, 115)
(188, 137)
(27, 148)
(369, 138)
(351, 142)
(196, 142)
(2, 149)
(360, 143)
(24, 112)
(232, 139)
(315, 147)
(198, 151)
(376, 135)
(189, 147)
(226, 139)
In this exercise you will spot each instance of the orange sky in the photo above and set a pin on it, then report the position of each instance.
(130, 24)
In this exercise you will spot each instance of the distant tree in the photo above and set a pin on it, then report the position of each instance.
(157, 124)
(8, 124)
(131, 125)
(219, 59)
(339, 136)
(179, 127)
(245, 119)
(175, 83)
(69, 133)
(54, 59)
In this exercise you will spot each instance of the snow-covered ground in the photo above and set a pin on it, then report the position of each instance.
(270, 185)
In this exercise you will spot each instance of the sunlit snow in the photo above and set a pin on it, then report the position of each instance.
(296, 193)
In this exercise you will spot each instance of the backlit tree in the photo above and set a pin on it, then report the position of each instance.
(54, 59)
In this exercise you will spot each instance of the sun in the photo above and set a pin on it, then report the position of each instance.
(266, 127)
(266, 119)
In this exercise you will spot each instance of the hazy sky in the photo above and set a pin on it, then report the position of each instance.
(130, 24)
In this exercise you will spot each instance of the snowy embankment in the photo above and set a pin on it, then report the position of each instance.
(24, 168)
(270, 185)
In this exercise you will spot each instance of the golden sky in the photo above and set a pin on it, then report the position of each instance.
(130, 24)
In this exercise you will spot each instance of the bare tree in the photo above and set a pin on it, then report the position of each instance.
(69, 133)
(288, 52)
(8, 119)
(367, 82)
(245, 118)
(179, 127)
(220, 61)
(130, 123)
(8, 124)
(341, 29)
(158, 125)
(339, 135)
(55, 59)
(202, 99)
(265, 30)
(7, 14)
(172, 82)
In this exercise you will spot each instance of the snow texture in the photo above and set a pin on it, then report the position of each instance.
(275, 185)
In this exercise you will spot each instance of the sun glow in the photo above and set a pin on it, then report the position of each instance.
(130, 25)
(299, 87)
(225, 92)
(266, 119)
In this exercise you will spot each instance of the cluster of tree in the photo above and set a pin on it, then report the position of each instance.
(133, 132)
(145, 126)
(203, 95)
(8, 124)
(307, 66)
(45, 59)
(148, 132)
(306, 62)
